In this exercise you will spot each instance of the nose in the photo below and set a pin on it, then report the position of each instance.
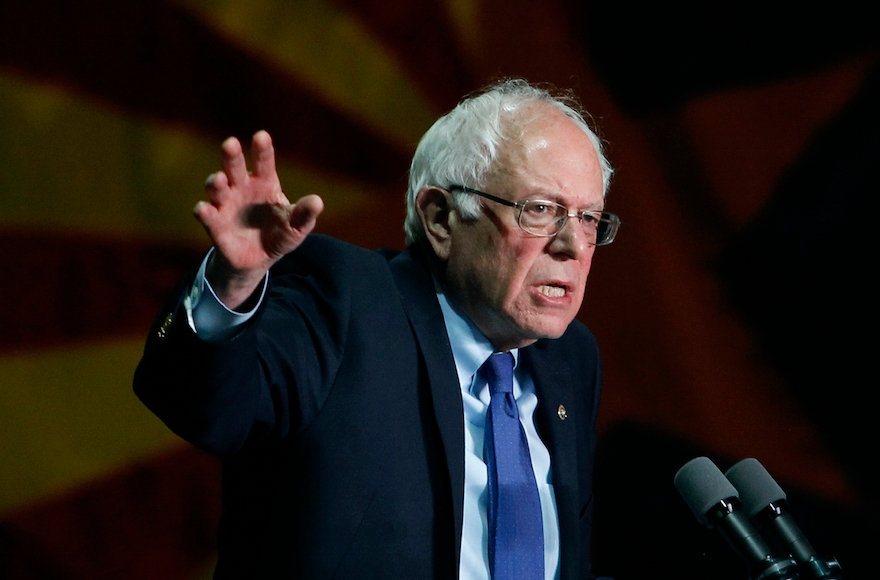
(572, 240)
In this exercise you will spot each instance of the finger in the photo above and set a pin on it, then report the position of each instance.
(217, 187)
(206, 214)
(234, 164)
(304, 213)
(263, 154)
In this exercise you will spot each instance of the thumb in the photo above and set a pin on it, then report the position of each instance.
(304, 213)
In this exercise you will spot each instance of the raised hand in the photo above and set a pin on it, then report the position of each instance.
(249, 219)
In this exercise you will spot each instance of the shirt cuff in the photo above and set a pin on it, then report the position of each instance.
(209, 318)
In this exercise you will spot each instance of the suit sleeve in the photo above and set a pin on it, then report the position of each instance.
(272, 378)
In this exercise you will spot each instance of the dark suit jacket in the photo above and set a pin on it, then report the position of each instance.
(339, 415)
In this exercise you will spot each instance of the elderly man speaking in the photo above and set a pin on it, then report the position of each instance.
(423, 414)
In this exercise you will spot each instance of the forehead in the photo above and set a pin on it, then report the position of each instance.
(545, 152)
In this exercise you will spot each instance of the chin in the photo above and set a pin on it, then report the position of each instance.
(553, 333)
(554, 325)
(520, 331)
(546, 329)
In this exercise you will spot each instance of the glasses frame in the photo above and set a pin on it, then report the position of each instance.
(612, 220)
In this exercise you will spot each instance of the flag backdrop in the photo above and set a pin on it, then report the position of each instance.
(734, 311)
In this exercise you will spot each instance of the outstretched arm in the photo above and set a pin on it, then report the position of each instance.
(250, 221)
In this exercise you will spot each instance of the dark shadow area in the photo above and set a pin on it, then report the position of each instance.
(655, 55)
(801, 276)
(644, 529)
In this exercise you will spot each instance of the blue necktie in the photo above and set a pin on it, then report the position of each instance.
(516, 533)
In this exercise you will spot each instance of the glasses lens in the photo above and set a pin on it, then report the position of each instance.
(607, 229)
(546, 218)
(542, 218)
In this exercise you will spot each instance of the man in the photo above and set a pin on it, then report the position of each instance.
(346, 389)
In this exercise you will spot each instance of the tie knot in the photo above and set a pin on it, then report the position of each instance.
(499, 372)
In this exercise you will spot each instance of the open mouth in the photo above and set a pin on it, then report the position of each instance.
(552, 291)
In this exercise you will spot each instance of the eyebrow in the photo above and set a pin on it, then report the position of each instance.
(557, 197)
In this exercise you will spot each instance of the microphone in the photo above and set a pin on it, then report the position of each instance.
(715, 503)
(767, 506)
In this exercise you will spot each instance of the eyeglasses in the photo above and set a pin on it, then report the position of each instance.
(547, 218)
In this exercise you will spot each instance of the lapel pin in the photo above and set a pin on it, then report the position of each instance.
(563, 414)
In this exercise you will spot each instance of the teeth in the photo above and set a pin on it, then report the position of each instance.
(552, 291)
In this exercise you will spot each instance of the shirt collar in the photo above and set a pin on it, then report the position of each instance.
(470, 348)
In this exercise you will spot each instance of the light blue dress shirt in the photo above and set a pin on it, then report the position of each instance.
(470, 349)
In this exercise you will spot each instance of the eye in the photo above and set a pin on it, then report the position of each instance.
(590, 218)
(538, 208)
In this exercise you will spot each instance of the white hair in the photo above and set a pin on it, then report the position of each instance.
(462, 146)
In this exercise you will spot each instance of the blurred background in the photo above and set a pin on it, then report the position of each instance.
(734, 312)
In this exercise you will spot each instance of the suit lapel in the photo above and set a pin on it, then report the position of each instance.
(419, 299)
(557, 427)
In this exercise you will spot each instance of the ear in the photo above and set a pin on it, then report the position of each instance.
(434, 207)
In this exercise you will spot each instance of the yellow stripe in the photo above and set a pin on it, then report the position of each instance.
(465, 18)
(70, 165)
(330, 50)
(70, 416)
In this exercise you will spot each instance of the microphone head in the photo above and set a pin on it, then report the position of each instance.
(703, 486)
(757, 488)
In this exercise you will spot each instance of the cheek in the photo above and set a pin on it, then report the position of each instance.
(498, 283)
(480, 278)
(496, 268)
(499, 267)
(513, 267)
(585, 272)
(519, 278)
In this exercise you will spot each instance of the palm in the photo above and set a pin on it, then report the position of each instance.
(248, 218)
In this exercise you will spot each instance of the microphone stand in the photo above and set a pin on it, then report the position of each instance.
(742, 538)
(792, 541)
